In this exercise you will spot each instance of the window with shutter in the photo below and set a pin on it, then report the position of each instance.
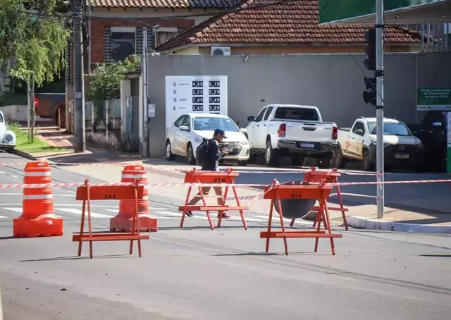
(139, 40)
(122, 43)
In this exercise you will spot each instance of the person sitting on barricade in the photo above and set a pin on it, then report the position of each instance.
(208, 155)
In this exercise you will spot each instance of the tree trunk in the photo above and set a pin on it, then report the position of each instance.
(33, 110)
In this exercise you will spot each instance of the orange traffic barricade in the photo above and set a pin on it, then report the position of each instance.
(326, 177)
(86, 193)
(124, 219)
(38, 218)
(276, 192)
(212, 177)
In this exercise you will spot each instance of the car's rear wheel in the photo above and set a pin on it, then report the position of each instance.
(169, 155)
(271, 155)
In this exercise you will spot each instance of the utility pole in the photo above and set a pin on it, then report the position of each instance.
(145, 145)
(379, 74)
(79, 110)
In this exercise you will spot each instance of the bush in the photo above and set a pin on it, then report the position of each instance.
(105, 81)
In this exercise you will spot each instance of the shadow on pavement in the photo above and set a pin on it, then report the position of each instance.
(79, 258)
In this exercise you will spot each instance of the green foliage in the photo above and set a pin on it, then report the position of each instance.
(34, 35)
(335, 10)
(105, 81)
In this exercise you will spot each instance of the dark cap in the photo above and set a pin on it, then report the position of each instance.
(219, 131)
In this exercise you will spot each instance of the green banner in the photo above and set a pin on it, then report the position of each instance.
(448, 157)
(332, 10)
(438, 99)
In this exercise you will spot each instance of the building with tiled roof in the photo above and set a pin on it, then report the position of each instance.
(275, 27)
(172, 4)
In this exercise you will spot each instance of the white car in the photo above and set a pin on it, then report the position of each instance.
(7, 137)
(188, 131)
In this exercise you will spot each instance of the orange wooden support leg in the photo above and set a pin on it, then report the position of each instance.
(279, 204)
(343, 214)
(80, 243)
(186, 204)
(239, 205)
(292, 222)
(269, 223)
(223, 202)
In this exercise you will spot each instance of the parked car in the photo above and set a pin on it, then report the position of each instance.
(188, 131)
(51, 105)
(7, 137)
(433, 135)
(291, 130)
(359, 144)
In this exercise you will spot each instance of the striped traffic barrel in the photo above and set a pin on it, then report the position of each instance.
(123, 220)
(38, 218)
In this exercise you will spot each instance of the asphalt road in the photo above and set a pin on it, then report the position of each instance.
(196, 273)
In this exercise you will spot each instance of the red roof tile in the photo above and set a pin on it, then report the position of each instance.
(204, 4)
(273, 22)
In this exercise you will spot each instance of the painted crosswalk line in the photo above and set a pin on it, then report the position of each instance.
(14, 209)
(2, 217)
(79, 212)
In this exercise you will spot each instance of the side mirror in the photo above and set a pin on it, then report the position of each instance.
(184, 128)
(359, 132)
(243, 130)
(251, 118)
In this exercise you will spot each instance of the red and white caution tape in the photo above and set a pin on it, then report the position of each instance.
(182, 184)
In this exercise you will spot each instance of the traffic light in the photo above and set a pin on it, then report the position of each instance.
(370, 94)
(370, 49)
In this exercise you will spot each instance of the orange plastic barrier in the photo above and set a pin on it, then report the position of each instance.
(123, 220)
(326, 177)
(276, 192)
(211, 177)
(88, 193)
(38, 218)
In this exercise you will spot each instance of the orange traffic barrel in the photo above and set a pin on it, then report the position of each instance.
(38, 218)
(124, 219)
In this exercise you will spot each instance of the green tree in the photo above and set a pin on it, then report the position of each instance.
(334, 10)
(105, 80)
(33, 34)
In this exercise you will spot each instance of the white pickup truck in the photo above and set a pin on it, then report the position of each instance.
(7, 137)
(359, 144)
(291, 130)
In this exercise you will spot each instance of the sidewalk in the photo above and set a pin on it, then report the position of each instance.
(56, 137)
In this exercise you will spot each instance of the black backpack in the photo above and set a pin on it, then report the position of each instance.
(202, 152)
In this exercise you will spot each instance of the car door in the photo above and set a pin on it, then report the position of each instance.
(175, 135)
(357, 138)
(253, 129)
(182, 136)
(262, 129)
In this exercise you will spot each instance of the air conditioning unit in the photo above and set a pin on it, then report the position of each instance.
(220, 51)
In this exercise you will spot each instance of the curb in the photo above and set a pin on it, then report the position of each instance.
(23, 154)
(374, 224)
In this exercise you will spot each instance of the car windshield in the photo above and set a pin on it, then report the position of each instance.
(391, 128)
(305, 114)
(212, 123)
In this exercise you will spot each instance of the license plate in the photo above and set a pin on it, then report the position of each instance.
(401, 156)
(307, 145)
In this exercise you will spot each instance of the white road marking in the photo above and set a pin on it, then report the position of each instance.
(14, 176)
(20, 194)
(15, 209)
(1, 172)
(2, 217)
(79, 212)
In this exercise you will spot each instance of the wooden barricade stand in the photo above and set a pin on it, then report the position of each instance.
(276, 192)
(326, 177)
(86, 193)
(212, 177)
